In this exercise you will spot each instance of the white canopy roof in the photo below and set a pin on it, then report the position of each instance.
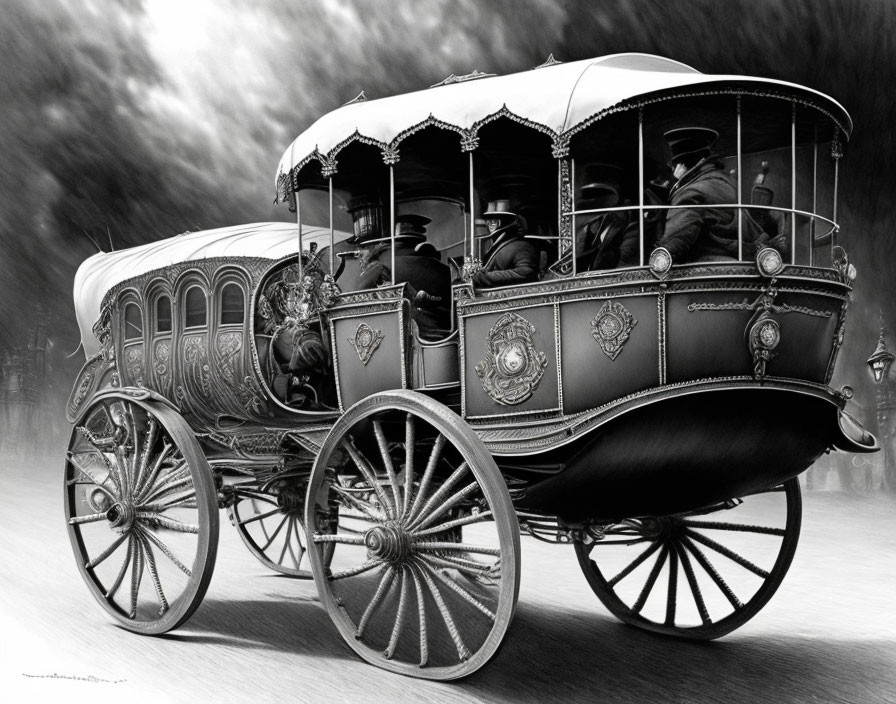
(559, 98)
(102, 271)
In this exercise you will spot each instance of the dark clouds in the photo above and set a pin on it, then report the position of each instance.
(117, 122)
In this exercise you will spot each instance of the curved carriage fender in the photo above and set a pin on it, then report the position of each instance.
(133, 393)
(853, 436)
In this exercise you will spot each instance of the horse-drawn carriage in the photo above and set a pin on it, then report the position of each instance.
(654, 416)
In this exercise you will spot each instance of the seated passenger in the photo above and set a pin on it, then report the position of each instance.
(416, 264)
(611, 239)
(700, 234)
(511, 259)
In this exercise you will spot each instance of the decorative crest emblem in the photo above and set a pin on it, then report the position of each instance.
(611, 328)
(512, 367)
(366, 342)
(764, 336)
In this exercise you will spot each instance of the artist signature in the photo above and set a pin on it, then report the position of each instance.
(57, 676)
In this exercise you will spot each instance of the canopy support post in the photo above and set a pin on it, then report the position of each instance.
(740, 186)
(392, 222)
(332, 233)
(641, 186)
(793, 183)
(299, 223)
(814, 198)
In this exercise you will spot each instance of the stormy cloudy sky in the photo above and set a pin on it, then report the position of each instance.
(132, 120)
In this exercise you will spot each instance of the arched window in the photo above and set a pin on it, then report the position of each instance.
(232, 305)
(163, 314)
(133, 322)
(194, 309)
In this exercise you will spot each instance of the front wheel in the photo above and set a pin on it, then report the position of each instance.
(696, 575)
(408, 507)
(142, 512)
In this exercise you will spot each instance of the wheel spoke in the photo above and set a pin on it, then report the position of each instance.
(105, 553)
(154, 574)
(739, 527)
(408, 463)
(478, 549)
(386, 580)
(156, 467)
(462, 651)
(399, 615)
(259, 517)
(165, 550)
(274, 534)
(421, 616)
(136, 578)
(157, 521)
(713, 573)
(672, 593)
(71, 457)
(150, 441)
(632, 566)
(286, 541)
(299, 552)
(422, 521)
(457, 522)
(353, 571)
(387, 464)
(434, 456)
(92, 518)
(651, 580)
(692, 581)
(730, 554)
(167, 487)
(340, 538)
(451, 584)
(178, 500)
(440, 495)
(124, 569)
(354, 502)
(370, 476)
(469, 566)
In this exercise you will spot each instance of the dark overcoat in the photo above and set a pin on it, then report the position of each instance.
(508, 262)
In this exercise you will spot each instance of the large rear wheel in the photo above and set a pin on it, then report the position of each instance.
(408, 505)
(697, 575)
(142, 512)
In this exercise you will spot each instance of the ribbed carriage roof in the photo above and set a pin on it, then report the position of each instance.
(101, 272)
(558, 99)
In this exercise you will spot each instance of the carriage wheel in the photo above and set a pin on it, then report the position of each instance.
(142, 512)
(698, 575)
(424, 571)
(271, 524)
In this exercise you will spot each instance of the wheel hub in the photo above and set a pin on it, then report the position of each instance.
(387, 542)
(121, 515)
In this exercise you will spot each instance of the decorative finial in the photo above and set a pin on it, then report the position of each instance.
(462, 79)
(550, 61)
(359, 98)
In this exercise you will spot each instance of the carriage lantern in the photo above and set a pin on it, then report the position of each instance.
(880, 360)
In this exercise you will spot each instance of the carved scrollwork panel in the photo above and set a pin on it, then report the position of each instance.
(512, 367)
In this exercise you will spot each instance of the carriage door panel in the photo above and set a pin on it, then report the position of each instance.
(510, 361)
(160, 349)
(369, 354)
(705, 334)
(608, 350)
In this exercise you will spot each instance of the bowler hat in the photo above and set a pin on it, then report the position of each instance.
(688, 141)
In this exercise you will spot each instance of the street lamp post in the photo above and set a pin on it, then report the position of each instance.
(879, 363)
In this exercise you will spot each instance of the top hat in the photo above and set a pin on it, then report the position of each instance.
(367, 216)
(498, 208)
(411, 226)
(687, 141)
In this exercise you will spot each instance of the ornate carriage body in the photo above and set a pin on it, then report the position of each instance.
(596, 407)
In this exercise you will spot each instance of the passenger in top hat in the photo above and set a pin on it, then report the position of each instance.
(416, 264)
(511, 259)
(700, 234)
